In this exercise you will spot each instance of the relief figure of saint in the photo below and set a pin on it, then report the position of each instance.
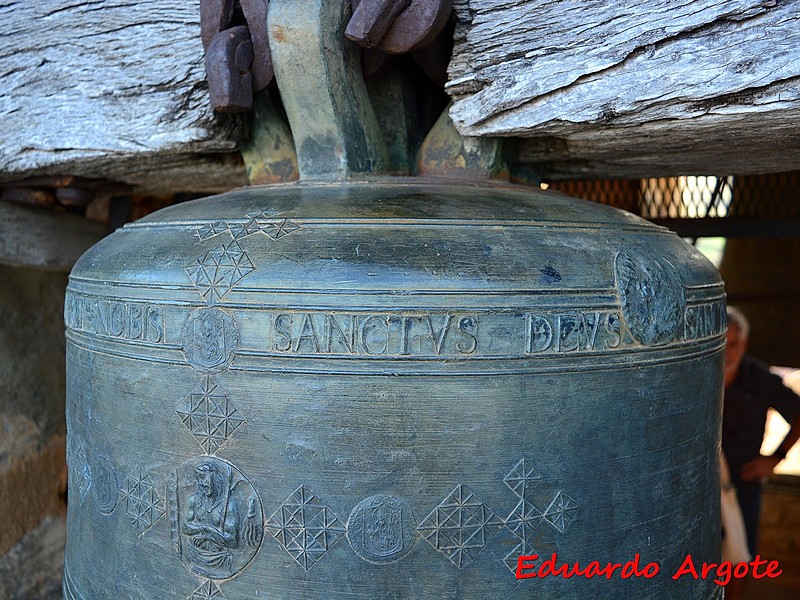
(385, 531)
(212, 522)
(211, 340)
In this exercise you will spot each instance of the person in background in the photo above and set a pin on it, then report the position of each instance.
(750, 390)
(734, 539)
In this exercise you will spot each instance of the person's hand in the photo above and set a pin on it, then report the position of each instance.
(759, 468)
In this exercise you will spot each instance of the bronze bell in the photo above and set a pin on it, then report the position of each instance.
(390, 388)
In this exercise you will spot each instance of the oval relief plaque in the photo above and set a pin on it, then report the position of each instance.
(106, 486)
(381, 529)
(210, 339)
(651, 297)
(215, 517)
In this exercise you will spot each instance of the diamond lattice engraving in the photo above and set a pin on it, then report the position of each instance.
(212, 229)
(522, 478)
(561, 512)
(460, 526)
(81, 469)
(215, 274)
(278, 229)
(305, 527)
(210, 415)
(242, 230)
(207, 591)
(524, 520)
(512, 558)
(142, 502)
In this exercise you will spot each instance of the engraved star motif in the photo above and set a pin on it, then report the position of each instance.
(522, 478)
(209, 415)
(262, 219)
(212, 229)
(143, 504)
(241, 230)
(460, 526)
(524, 520)
(561, 512)
(261, 222)
(215, 274)
(280, 229)
(512, 558)
(81, 469)
(207, 591)
(305, 527)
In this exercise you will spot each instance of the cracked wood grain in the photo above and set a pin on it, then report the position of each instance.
(632, 89)
(113, 89)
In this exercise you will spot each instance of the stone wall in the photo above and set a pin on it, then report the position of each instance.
(32, 392)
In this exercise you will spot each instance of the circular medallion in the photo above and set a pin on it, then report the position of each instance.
(215, 517)
(381, 529)
(651, 297)
(210, 339)
(105, 486)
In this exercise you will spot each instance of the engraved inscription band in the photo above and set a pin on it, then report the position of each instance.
(210, 336)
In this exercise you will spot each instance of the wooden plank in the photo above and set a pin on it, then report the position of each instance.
(634, 89)
(112, 89)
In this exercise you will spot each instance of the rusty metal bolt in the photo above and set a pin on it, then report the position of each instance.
(228, 61)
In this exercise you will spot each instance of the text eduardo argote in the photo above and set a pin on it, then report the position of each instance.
(529, 566)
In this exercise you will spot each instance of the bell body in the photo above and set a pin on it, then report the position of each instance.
(391, 389)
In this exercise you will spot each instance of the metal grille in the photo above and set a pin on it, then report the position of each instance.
(776, 195)
(662, 198)
(757, 205)
(687, 197)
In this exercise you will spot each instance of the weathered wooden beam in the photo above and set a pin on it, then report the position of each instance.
(596, 89)
(634, 89)
(112, 89)
(728, 144)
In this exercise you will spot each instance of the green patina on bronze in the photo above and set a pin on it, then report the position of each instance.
(318, 71)
(365, 386)
(269, 155)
